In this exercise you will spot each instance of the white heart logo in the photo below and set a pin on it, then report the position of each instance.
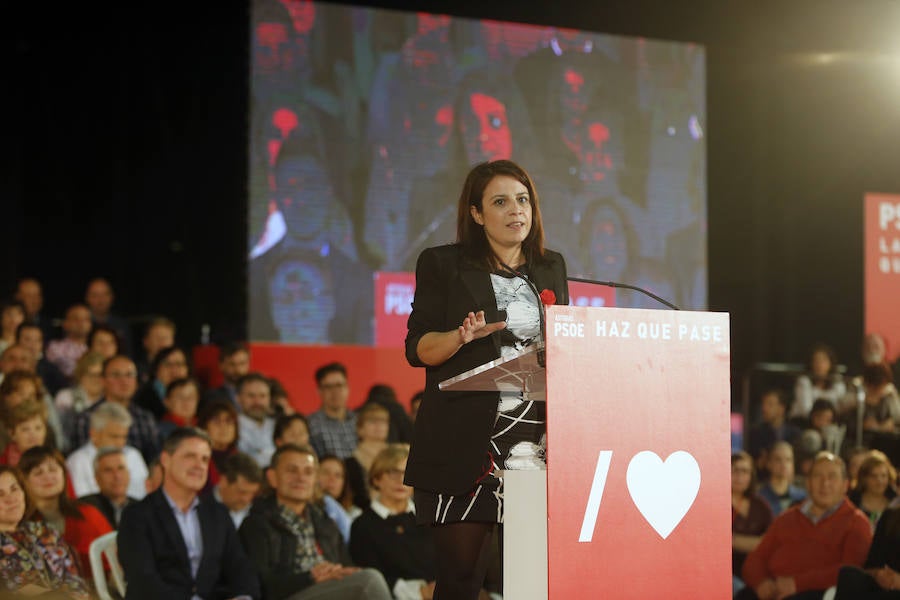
(663, 491)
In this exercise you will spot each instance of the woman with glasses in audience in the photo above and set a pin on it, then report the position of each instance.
(35, 560)
(44, 470)
(385, 536)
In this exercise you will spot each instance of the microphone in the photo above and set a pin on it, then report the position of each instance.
(541, 353)
(626, 286)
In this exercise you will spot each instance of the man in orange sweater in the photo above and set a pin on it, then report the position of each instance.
(805, 547)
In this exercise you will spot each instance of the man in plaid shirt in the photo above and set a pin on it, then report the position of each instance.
(119, 386)
(332, 429)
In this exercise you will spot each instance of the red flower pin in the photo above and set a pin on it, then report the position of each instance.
(548, 297)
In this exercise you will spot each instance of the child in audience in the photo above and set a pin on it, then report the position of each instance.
(27, 426)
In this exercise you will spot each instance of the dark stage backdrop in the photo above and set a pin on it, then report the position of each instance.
(126, 136)
(365, 121)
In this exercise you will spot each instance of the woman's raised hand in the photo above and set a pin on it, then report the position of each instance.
(474, 327)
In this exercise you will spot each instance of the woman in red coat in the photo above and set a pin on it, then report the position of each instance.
(45, 482)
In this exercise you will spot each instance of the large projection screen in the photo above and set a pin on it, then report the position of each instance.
(365, 121)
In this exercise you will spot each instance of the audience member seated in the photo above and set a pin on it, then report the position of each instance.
(874, 352)
(220, 421)
(119, 385)
(823, 421)
(99, 298)
(805, 546)
(820, 381)
(159, 334)
(12, 314)
(238, 485)
(333, 483)
(401, 426)
(234, 363)
(30, 294)
(854, 458)
(169, 365)
(779, 491)
(65, 352)
(255, 423)
(181, 400)
(281, 401)
(22, 386)
(36, 560)
(750, 514)
(880, 577)
(332, 428)
(109, 427)
(881, 410)
(291, 429)
(773, 427)
(874, 490)
(295, 545)
(17, 365)
(27, 427)
(30, 336)
(174, 544)
(103, 340)
(385, 536)
(80, 524)
(87, 391)
(372, 422)
(113, 483)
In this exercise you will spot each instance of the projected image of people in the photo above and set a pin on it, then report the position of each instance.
(363, 121)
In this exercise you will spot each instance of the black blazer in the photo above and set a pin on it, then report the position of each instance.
(453, 429)
(154, 556)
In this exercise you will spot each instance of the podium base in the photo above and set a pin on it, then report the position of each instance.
(525, 535)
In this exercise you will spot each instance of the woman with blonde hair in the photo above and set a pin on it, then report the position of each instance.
(874, 488)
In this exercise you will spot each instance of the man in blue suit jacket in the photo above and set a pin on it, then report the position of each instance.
(175, 546)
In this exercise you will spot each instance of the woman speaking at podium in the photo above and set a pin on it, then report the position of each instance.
(476, 301)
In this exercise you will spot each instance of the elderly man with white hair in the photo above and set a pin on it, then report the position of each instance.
(109, 425)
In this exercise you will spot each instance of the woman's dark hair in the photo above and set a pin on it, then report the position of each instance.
(165, 353)
(829, 352)
(470, 235)
(20, 479)
(100, 328)
(741, 455)
(35, 457)
(180, 383)
(284, 421)
(345, 498)
(214, 408)
(877, 375)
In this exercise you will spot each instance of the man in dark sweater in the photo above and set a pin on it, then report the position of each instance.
(297, 548)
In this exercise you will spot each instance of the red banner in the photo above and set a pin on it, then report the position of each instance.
(882, 269)
(639, 454)
(393, 303)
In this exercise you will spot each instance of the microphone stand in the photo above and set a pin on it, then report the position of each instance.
(541, 353)
(626, 286)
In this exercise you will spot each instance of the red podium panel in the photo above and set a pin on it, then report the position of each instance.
(639, 453)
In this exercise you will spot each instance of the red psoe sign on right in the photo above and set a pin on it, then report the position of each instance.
(882, 269)
(638, 453)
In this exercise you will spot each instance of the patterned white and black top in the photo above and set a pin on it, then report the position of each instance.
(519, 439)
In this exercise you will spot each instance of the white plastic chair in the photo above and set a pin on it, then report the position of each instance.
(105, 545)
